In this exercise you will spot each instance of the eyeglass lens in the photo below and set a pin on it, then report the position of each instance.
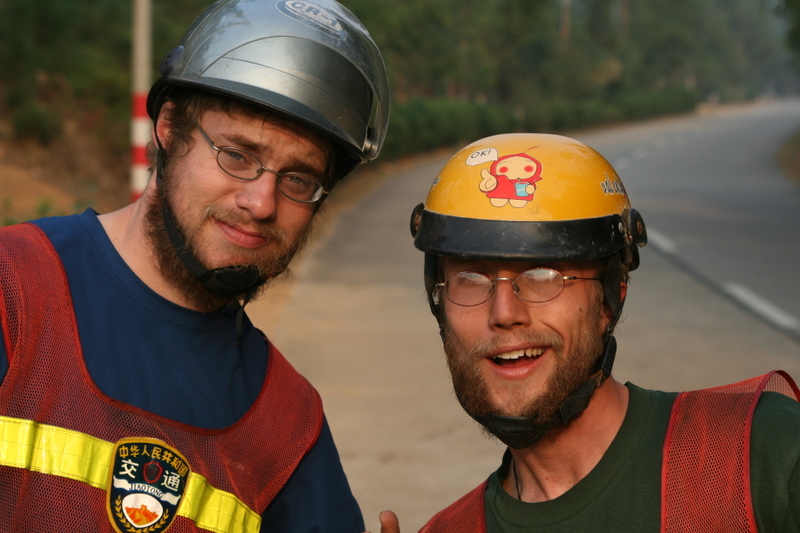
(242, 164)
(472, 288)
(238, 162)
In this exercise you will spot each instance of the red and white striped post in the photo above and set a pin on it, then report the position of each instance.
(140, 123)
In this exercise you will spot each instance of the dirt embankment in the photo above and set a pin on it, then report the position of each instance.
(73, 172)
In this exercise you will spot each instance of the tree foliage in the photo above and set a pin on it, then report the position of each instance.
(543, 64)
(790, 9)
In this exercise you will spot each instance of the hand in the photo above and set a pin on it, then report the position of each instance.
(389, 522)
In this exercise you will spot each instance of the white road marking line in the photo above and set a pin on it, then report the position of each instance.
(764, 308)
(660, 241)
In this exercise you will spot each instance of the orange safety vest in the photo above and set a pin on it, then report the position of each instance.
(705, 482)
(65, 447)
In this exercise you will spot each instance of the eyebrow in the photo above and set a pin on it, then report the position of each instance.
(298, 165)
(240, 141)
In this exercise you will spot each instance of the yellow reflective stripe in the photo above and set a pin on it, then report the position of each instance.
(216, 510)
(81, 457)
(53, 450)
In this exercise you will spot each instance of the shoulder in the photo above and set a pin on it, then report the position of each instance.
(775, 462)
(317, 497)
(55, 228)
(775, 436)
(649, 405)
(656, 397)
(64, 223)
(778, 416)
(64, 230)
(27, 261)
(21, 242)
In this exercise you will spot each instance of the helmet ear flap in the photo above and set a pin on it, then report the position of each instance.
(636, 227)
(636, 237)
(416, 216)
(630, 257)
(431, 277)
(431, 272)
(611, 287)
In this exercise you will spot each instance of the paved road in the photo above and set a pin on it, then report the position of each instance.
(355, 322)
(713, 195)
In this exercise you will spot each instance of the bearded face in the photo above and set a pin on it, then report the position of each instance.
(271, 262)
(242, 229)
(569, 371)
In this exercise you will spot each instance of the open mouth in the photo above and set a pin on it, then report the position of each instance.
(517, 356)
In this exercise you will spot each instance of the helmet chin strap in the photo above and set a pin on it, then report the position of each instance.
(523, 431)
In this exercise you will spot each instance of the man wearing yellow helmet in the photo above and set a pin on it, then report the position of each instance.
(527, 299)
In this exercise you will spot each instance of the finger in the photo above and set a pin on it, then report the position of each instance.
(389, 522)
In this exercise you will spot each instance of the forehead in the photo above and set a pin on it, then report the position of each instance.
(260, 133)
(301, 130)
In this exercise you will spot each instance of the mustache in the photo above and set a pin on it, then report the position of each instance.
(266, 230)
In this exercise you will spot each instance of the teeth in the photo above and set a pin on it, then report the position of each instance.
(516, 354)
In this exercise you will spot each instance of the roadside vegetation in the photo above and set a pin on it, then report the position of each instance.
(459, 70)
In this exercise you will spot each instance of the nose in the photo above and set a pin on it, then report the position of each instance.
(507, 311)
(259, 197)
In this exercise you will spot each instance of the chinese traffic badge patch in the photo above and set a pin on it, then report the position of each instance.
(147, 481)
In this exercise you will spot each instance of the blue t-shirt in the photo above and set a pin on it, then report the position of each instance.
(184, 365)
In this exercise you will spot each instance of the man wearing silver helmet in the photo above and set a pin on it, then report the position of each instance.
(136, 395)
(527, 292)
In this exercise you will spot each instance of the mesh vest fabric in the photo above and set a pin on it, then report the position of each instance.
(466, 515)
(47, 382)
(706, 469)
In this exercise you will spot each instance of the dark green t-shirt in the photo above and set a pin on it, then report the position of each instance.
(622, 493)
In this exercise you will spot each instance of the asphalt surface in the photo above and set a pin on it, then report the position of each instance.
(714, 195)
(355, 322)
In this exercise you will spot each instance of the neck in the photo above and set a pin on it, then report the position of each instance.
(557, 463)
(127, 230)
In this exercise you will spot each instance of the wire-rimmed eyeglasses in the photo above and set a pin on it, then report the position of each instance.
(536, 285)
(241, 164)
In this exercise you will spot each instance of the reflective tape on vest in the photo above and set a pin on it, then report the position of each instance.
(81, 457)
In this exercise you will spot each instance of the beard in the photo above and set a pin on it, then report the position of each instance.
(570, 371)
(270, 265)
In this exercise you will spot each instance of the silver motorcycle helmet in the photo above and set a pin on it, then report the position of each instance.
(311, 61)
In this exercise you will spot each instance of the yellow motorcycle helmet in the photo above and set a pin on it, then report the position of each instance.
(524, 196)
(529, 197)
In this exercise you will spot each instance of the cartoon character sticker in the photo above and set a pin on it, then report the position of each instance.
(511, 179)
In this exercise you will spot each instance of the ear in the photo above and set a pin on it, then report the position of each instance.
(162, 129)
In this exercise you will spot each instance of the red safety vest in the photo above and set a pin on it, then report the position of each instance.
(705, 482)
(65, 446)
